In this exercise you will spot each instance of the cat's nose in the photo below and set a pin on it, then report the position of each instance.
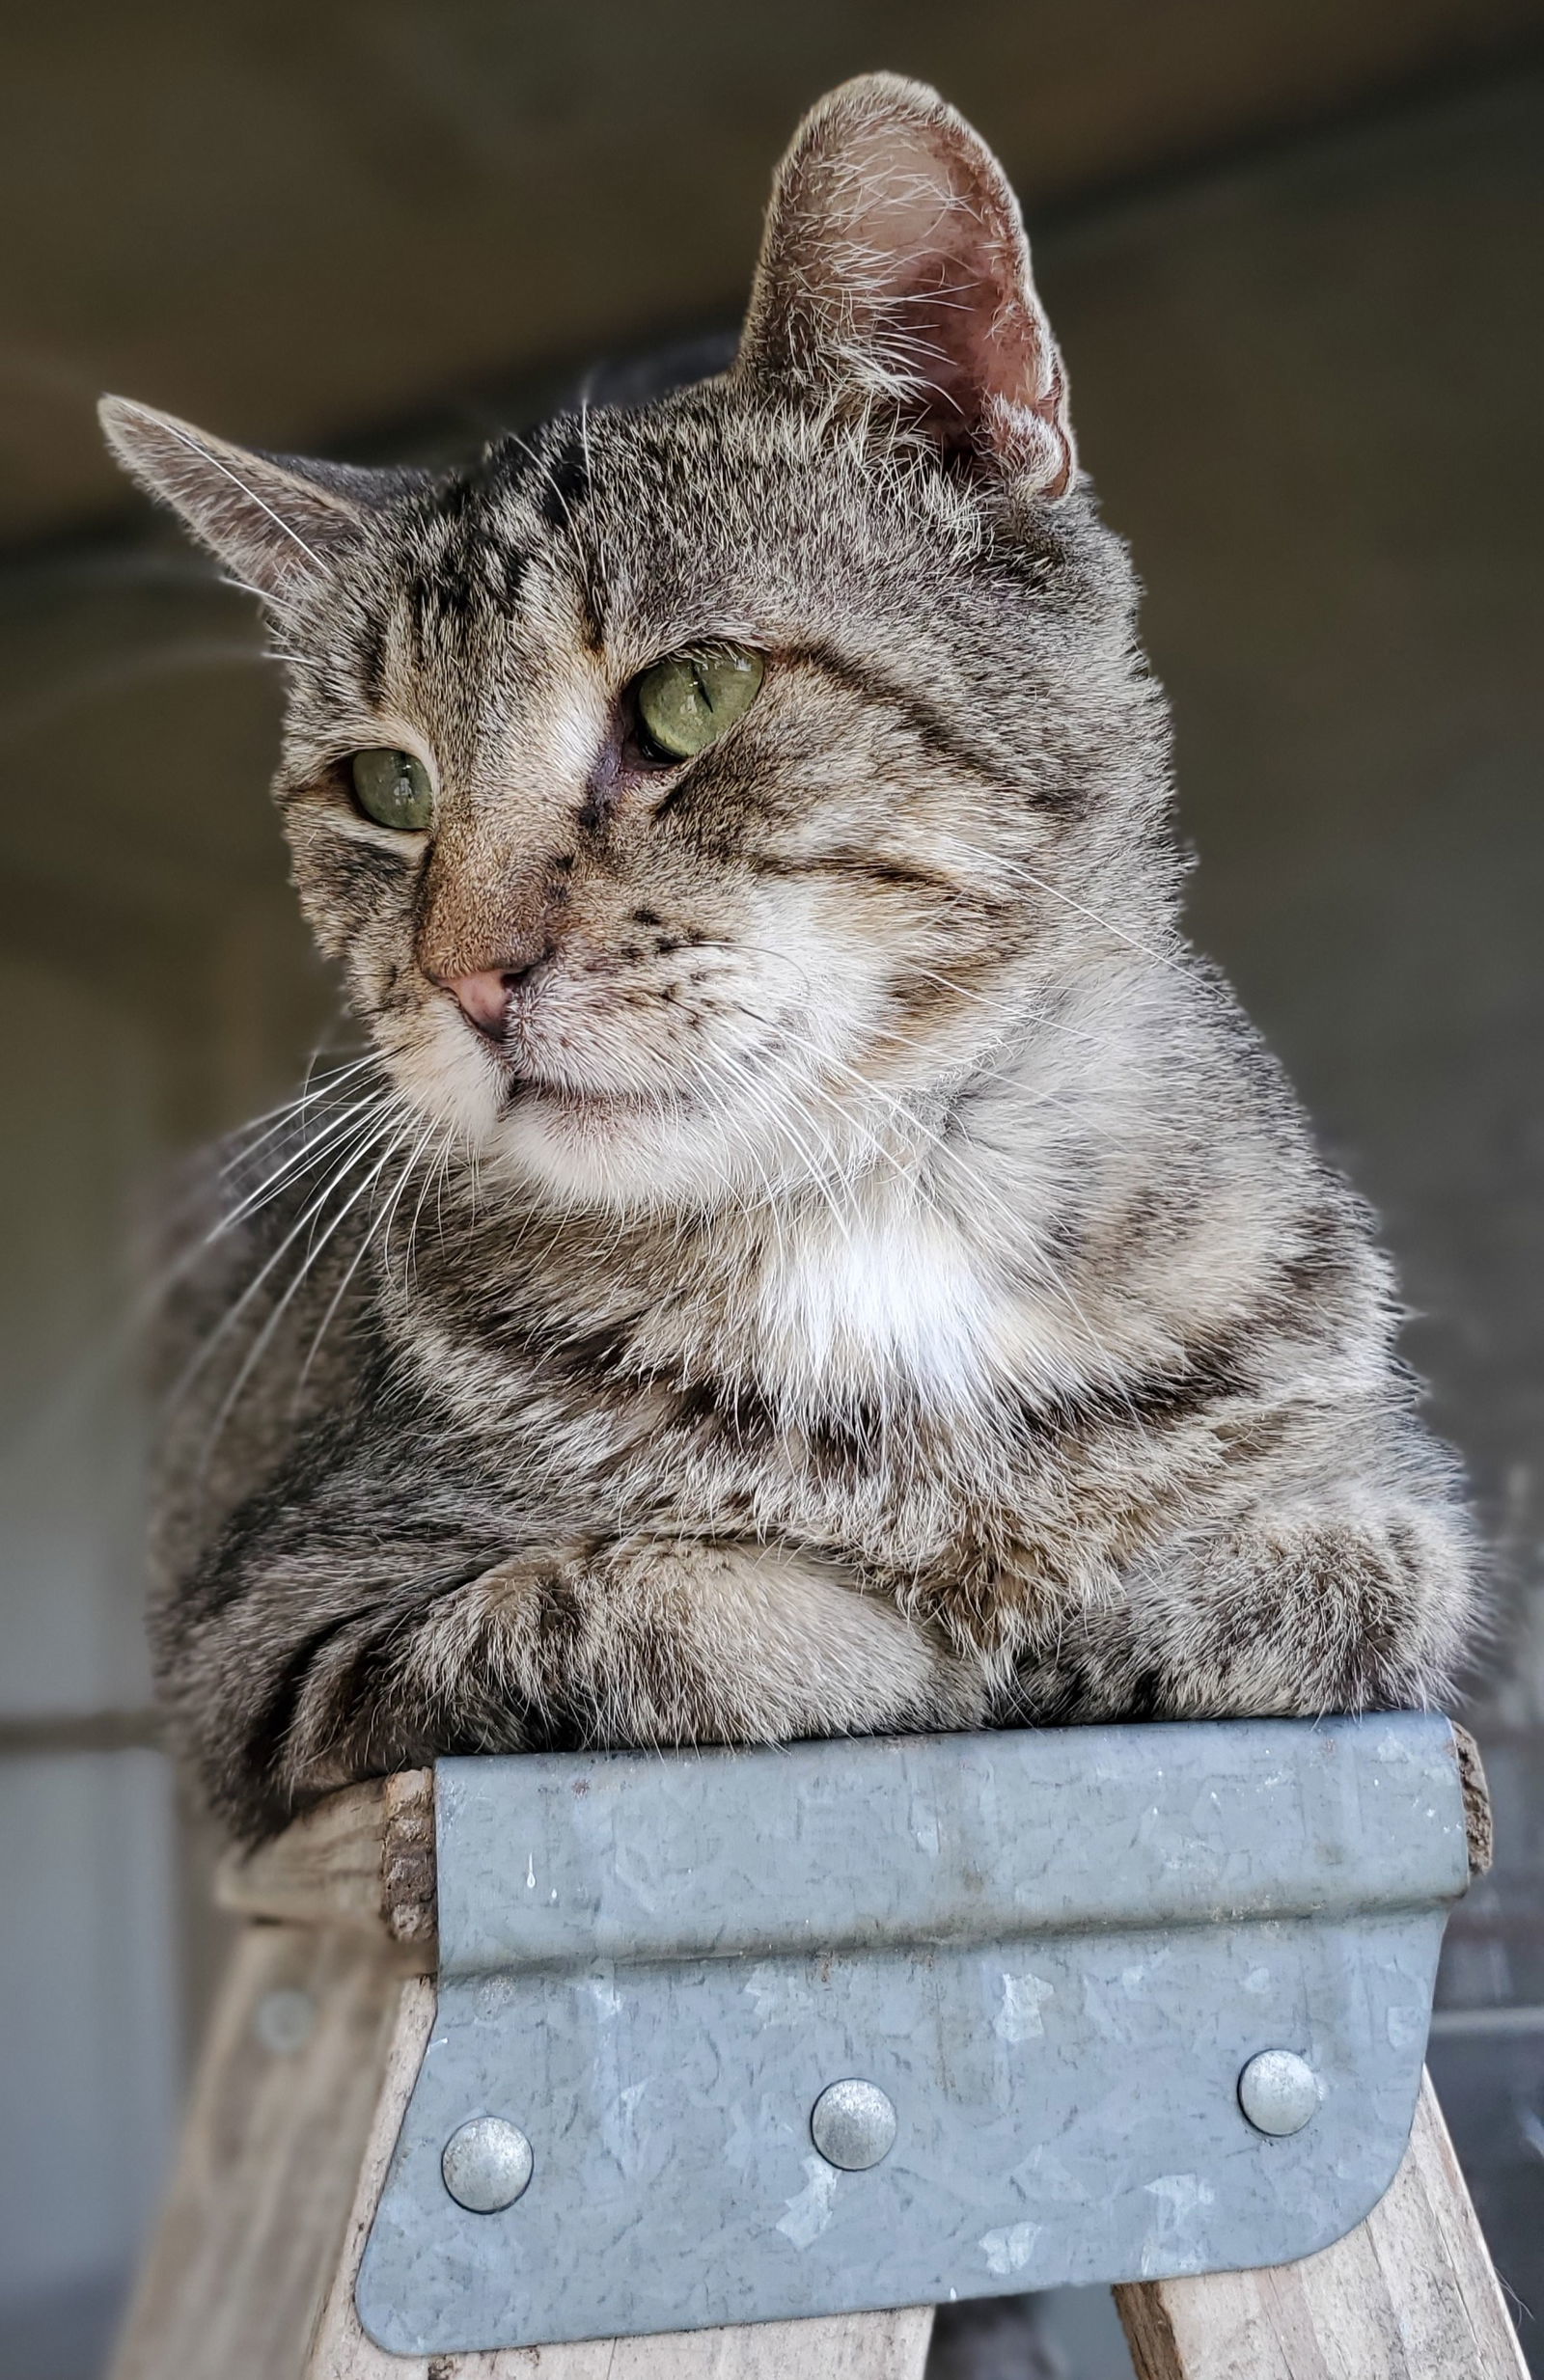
(483, 998)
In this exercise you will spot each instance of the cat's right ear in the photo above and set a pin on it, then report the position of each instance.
(275, 521)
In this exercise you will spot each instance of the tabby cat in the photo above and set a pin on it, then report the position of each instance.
(811, 1249)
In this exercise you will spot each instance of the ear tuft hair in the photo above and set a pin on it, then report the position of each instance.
(895, 276)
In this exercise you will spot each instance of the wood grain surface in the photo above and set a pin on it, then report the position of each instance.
(253, 2217)
(1410, 2294)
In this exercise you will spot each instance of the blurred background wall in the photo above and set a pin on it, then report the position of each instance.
(1292, 249)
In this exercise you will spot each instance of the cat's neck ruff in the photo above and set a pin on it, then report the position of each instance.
(889, 1292)
(896, 1298)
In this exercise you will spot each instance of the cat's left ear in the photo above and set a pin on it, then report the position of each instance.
(894, 277)
(275, 521)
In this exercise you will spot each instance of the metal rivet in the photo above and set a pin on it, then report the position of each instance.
(282, 2020)
(486, 2165)
(1278, 2091)
(853, 2125)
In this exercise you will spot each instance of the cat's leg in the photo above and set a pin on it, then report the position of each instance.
(330, 1639)
(659, 1640)
(1287, 1612)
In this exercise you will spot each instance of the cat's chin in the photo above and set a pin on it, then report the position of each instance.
(627, 1154)
(609, 1148)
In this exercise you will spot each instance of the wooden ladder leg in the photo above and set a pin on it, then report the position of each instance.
(265, 2170)
(1410, 2294)
(311, 2057)
(872, 2346)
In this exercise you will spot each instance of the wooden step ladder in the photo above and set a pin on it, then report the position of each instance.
(312, 2050)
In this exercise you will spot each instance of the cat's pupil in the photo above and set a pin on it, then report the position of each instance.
(392, 789)
(686, 702)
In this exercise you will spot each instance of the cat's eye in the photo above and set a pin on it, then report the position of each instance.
(685, 703)
(392, 789)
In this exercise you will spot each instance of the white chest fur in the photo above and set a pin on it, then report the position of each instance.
(880, 1299)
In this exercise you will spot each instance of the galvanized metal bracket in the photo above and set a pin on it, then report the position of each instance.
(1061, 1961)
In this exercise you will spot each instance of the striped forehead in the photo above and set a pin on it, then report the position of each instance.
(471, 587)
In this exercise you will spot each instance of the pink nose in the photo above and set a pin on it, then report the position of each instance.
(484, 997)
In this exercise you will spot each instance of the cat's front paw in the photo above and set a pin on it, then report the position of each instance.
(993, 1611)
(680, 1641)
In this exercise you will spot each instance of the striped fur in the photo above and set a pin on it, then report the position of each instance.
(882, 1282)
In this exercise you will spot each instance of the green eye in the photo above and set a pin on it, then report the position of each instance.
(394, 789)
(685, 703)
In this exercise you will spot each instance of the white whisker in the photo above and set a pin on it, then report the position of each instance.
(264, 1337)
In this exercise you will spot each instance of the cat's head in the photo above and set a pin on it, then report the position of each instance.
(698, 796)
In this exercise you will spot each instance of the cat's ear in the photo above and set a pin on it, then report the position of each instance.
(894, 275)
(274, 520)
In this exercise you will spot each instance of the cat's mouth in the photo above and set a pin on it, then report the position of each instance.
(529, 1093)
